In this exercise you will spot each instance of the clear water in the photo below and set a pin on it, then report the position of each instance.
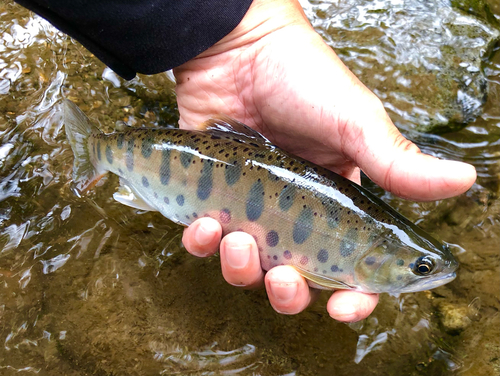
(88, 286)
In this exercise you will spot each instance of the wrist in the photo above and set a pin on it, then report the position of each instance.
(262, 18)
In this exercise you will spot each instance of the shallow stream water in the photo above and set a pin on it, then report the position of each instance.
(91, 287)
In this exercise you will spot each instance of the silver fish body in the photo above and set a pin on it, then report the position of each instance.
(334, 232)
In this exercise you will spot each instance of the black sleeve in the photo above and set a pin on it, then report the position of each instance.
(143, 36)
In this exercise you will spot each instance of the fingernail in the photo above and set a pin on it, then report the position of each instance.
(203, 235)
(284, 292)
(237, 255)
(345, 312)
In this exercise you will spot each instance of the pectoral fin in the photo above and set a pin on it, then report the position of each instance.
(323, 282)
(126, 196)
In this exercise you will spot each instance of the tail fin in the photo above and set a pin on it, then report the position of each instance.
(78, 130)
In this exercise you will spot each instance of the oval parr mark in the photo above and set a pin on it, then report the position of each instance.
(129, 158)
(232, 173)
(205, 181)
(304, 260)
(185, 158)
(180, 200)
(370, 260)
(272, 238)
(99, 150)
(348, 243)
(147, 146)
(145, 182)
(165, 166)
(255, 201)
(333, 216)
(166, 200)
(322, 255)
(119, 140)
(287, 254)
(109, 154)
(287, 196)
(303, 226)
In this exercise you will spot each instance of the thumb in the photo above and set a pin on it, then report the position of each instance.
(397, 165)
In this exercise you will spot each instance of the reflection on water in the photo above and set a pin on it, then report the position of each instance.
(88, 286)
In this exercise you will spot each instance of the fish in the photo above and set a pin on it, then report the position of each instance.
(335, 233)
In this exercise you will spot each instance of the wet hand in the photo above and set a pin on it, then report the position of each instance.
(275, 73)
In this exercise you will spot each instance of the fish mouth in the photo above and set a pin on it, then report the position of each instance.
(423, 285)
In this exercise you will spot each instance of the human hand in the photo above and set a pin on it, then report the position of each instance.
(275, 74)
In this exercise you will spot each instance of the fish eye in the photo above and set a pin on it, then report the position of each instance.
(423, 266)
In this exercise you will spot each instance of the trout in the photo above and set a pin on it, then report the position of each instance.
(332, 231)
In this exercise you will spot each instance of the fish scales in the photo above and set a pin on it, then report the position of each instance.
(331, 230)
(294, 230)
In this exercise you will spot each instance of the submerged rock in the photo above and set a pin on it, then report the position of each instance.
(454, 317)
(422, 58)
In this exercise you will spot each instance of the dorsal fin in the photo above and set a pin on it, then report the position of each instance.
(223, 124)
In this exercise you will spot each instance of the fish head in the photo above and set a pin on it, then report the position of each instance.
(406, 260)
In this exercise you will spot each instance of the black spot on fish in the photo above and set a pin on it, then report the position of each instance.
(287, 196)
(185, 158)
(109, 154)
(180, 200)
(165, 167)
(232, 173)
(400, 262)
(129, 158)
(272, 238)
(119, 140)
(348, 243)
(334, 268)
(303, 226)
(332, 214)
(225, 216)
(370, 260)
(287, 254)
(99, 149)
(147, 146)
(155, 194)
(120, 171)
(323, 255)
(255, 201)
(206, 181)
(145, 182)
(166, 200)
